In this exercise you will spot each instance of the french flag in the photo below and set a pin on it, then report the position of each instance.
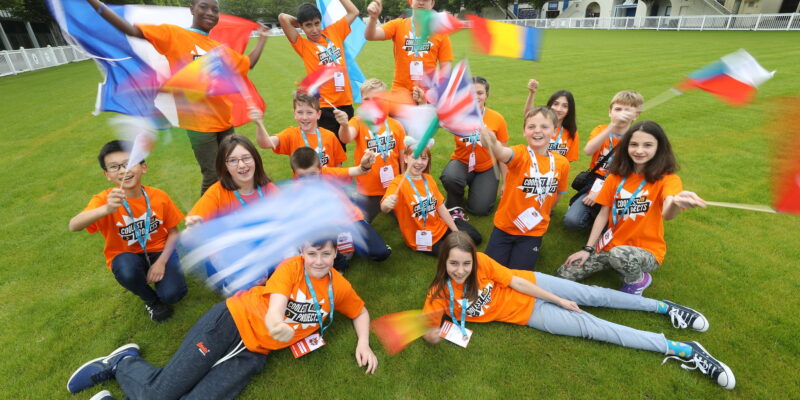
(332, 11)
(734, 78)
(133, 70)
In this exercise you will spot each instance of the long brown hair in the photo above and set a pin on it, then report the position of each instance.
(260, 178)
(662, 163)
(455, 240)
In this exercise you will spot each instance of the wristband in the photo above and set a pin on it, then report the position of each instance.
(102, 8)
(588, 249)
(365, 169)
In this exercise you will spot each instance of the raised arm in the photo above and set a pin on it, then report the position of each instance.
(533, 84)
(88, 217)
(367, 161)
(673, 205)
(263, 138)
(502, 153)
(346, 132)
(288, 23)
(372, 31)
(256, 53)
(352, 10)
(115, 20)
(364, 354)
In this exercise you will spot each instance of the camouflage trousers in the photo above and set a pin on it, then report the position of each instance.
(629, 262)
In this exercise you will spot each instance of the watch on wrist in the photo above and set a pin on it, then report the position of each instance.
(588, 249)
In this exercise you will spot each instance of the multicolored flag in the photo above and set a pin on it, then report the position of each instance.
(209, 75)
(734, 78)
(455, 100)
(506, 40)
(140, 131)
(332, 11)
(311, 83)
(429, 22)
(379, 106)
(398, 330)
(786, 179)
(420, 123)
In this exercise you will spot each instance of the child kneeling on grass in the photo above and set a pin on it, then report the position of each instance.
(473, 287)
(139, 225)
(230, 343)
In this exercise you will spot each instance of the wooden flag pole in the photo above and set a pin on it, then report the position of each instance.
(749, 207)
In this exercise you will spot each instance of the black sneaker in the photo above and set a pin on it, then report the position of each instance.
(700, 359)
(685, 317)
(158, 311)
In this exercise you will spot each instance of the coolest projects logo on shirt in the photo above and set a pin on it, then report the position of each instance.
(423, 206)
(386, 142)
(477, 307)
(329, 55)
(412, 42)
(135, 227)
(300, 311)
(639, 206)
(538, 184)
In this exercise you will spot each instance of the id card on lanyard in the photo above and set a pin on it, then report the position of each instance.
(140, 237)
(473, 138)
(314, 341)
(424, 237)
(344, 243)
(608, 235)
(456, 331)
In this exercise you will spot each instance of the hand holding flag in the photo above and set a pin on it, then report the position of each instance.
(396, 331)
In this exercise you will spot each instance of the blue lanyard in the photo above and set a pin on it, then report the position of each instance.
(382, 148)
(319, 144)
(142, 239)
(558, 141)
(423, 203)
(463, 323)
(414, 46)
(204, 33)
(328, 50)
(630, 201)
(241, 200)
(317, 308)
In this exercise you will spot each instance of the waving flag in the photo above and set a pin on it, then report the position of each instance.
(239, 250)
(455, 100)
(420, 123)
(132, 69)
(210, 75)
(430, 22)
(505, 40)
(140, 131)
(734, 78)
(311, 83)
(382, 104)
(786, 180)
(398, 330)
(332, 11)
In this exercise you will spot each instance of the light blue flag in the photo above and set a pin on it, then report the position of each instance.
(332, 11)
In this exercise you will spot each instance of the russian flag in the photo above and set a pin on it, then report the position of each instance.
(332, 11)
(734, 78)
(133, 70)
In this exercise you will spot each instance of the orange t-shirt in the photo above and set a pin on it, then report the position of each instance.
(438, 49)
(600, 153)
(118, 228)
(291, 139)
(409, 211)
(328, 50)
(567, 146)
(642, 225)
(249, 308)
(181, 46)
(496, 301)
(391, 142)
(218, 201)
(464, 145)
(522, 183)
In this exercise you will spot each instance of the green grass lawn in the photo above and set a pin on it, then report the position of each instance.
(61, 306)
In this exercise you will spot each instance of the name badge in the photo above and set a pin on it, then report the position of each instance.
(344, 243)
(415, 70)
(307, 345)
(424, 240)
(605, 239)
(452, 334)
(597, 185)
(528, 219)
(387, 175)
(471, 163)
(338, 81)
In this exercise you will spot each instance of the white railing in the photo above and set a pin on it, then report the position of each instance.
(22, 60)
(733, 22)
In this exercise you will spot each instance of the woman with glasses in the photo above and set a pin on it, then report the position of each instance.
(242, 181)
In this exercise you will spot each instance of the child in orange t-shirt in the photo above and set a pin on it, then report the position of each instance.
(322, 47)
(640, 192)
(387, 142)
(139, 225)
(535, 181)
(305, 164)
(470, 286)
(306, 113)
(208, 120)
(229, 345)
(624, 109)
(471, 163)
(242, 180)
(410, 62)
(566, 140)
(423, 219)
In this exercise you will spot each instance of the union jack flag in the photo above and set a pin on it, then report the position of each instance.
(455, 100)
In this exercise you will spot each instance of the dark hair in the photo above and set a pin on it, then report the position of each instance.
(260, 178)
(455, 240)
(569, 120)
(481, 80)
(114, 146)
(305, 99)
(304, 157)
(662, 163)
(322, 242)
(307, 12)
(409, 150)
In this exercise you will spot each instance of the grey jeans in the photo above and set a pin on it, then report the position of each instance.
(551, 318)
(482, 188)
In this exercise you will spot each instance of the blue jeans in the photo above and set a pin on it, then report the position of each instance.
(579, 216)
(191, 373)
(514, 251)
(130, 270)
(551, 318)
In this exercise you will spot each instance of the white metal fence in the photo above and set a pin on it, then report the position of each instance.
(733, 22)
(16, 61)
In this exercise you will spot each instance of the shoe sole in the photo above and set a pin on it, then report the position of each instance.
(119, 351)
(725, 368)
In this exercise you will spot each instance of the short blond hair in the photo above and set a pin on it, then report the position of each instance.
(372, 85)
(630, 98)
(546, 112)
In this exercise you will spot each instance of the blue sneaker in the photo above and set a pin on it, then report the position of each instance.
(103, 395)
(683, 317)
(100, 369)
(702, 360)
